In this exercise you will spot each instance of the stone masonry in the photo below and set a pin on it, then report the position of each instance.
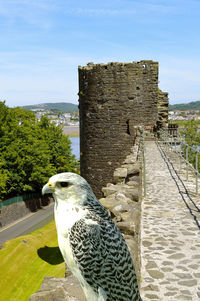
(122, 200)
(163, 101)
(113, 99)
(15, 211)
(170, 230)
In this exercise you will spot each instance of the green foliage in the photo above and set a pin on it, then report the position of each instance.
(190, 131)
(194, 105)
(192, 138)
(30, 152)
(183, 123)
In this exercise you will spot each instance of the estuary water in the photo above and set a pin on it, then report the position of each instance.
(75, 146)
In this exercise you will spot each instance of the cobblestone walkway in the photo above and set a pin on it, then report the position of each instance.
(170, 232)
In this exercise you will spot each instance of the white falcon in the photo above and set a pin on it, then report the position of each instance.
(90, 242)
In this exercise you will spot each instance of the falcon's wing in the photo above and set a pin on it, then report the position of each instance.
(103, 258)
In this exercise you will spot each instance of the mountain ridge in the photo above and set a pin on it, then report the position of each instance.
(193, 105)
(69, 107)
(53, 106)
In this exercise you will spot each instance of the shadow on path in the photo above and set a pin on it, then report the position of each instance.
(189, 202)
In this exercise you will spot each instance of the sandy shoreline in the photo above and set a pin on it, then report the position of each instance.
(71, 130)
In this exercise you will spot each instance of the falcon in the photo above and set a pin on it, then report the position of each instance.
(90, 242)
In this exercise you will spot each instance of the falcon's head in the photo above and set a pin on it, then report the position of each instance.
(68, 186)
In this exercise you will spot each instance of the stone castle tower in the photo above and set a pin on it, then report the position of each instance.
(113, 98)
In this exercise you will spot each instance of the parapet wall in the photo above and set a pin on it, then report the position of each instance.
(113, 99)
(163, 102)
(122, 199)
(13, 212)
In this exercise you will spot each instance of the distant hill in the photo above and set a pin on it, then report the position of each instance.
(194, 105)
(58, 106)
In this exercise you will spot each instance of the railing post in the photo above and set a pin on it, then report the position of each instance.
(196, 165)
(187, 162)
(180, 167)
(144, 163)
(185, 156)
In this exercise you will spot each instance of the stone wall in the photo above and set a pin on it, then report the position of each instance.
(163, 103)
(122, 199)
(13, 212)
(113, 99)
(59, 289)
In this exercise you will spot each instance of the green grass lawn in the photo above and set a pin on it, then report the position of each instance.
(25, 260)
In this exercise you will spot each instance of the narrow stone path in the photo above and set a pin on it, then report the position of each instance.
(170, 232)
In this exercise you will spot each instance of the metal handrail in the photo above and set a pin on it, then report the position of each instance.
(144, 164)
(183, 155)
(20, 198)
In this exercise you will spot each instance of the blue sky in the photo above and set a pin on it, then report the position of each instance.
(44, 41)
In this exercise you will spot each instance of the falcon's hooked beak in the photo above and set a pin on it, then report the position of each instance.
(48, 188)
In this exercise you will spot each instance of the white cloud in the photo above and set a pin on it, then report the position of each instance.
(120, 8)
(100, 11)
(31, 12)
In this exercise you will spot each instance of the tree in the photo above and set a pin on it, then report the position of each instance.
(30, 151)
(192, 138)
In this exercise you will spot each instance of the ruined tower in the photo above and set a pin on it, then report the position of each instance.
(113, 98)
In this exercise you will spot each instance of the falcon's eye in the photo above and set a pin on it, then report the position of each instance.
(64, 184)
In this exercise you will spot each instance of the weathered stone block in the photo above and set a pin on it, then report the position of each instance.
(132, 169)
(110, 190)
(107, 203)
(131, 193)
(57, 289)
(120, 172)
(126, 190)
(134, 184)
(126, 227)
(120, 175)
(129, 159)
(120, 197)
